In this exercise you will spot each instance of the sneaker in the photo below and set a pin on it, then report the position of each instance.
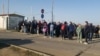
(85, 43)
(50, 37)
(37, 34)
(90, 42)
(81, 42)
(44, 36)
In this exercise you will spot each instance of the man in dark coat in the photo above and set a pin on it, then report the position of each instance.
(71, 29)
(19, 25)
(91, 31)
(57, 29)
(86, 32)
(97, 31)
(34, 27)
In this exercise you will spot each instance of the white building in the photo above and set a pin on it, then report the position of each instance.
(10, 21)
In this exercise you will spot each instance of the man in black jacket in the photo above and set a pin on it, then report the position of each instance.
(86, 32)
(97, 31)
(91, 31)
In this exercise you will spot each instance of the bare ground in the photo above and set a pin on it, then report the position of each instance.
(12, 51)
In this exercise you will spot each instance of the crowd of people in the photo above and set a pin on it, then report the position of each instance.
(57, 29)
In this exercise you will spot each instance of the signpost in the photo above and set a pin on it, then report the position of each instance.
(42, 16)
(42, 13)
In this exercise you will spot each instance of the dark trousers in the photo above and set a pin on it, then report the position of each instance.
(40, 30)
(33, 31)
(70, 35)
(86, 37)
(62, 34)
(57, 32)
(97, 35)
(90, 36)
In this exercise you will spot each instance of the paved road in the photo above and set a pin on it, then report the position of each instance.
(54, 46)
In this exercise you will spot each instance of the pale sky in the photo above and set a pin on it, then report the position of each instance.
(76, 11)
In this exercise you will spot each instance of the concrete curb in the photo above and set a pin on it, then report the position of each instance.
(34, 51)
(30, 50)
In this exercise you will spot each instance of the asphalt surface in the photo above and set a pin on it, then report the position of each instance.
(54, 46)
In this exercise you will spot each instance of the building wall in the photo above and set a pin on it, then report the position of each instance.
(3, 22)
(13, 21)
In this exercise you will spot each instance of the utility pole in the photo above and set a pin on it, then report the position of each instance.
(3, 11)
(31, 13)
(3, 8)
(8, 17)
(52, 10)
(8, 7)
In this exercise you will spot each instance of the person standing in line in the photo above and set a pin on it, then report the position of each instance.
(25, 26)
(32, 27)
(22, 26)
(91, 31)
(97, 29)
(75, 26)
(66, 30)
(57, 29)
(35, 27)
(99, 32)
(86, 32)
(45, 29)
(79, 33)
(71, 29)
(28, 24)
(51, 30)
(62, 30)
(40, 27)
(19, 26)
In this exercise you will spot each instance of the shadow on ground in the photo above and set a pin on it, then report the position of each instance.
(14, 41)
(3, 45)
(95, 41)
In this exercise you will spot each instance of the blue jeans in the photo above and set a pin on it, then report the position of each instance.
(90, 36)
(24, 28)
(51, 33)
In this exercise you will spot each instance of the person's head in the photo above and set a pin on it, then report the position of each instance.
(71, 22)
(79, 25)
(45, 23)
(57, 23)
(39, 21)
(98, 26)
(86, 22)
(65, 22)
(91, 24)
